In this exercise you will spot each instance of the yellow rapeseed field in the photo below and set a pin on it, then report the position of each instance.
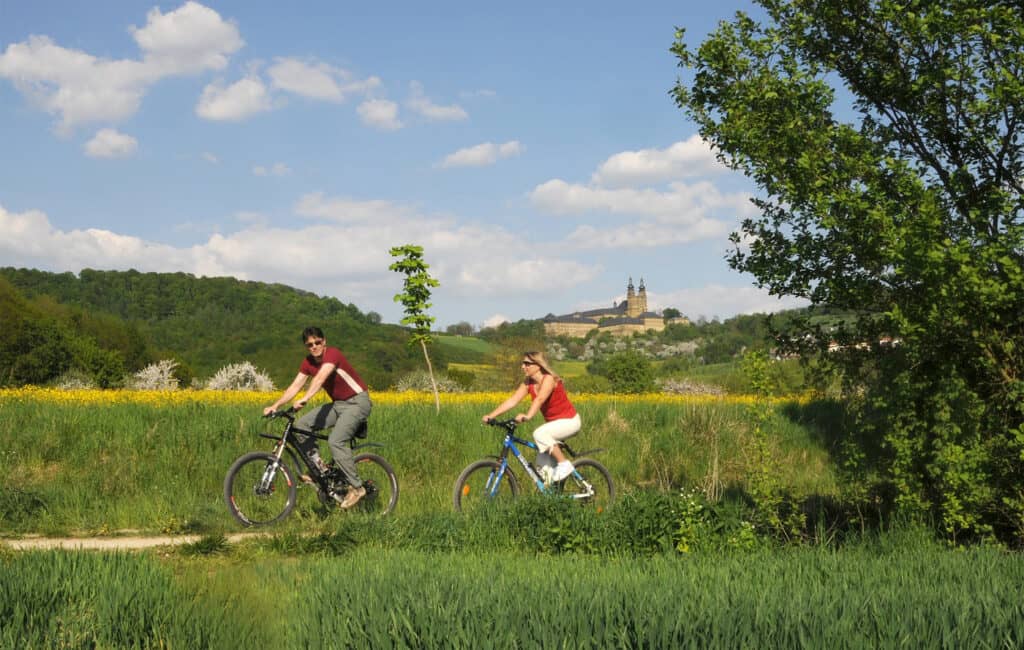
(88, 397)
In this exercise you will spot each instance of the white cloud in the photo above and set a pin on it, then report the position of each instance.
(210, 157)
(346, 210)
(483, 92)
(242, 99)
(471, 260)
(722, 301)
(277, 169)
(249, 217)
(189, 39)
(316, 80)
(418, 102)
(496, 319)
(647, 235)
(689, 158)
(631, 185)
(79, 88)
(109, 143)
(482, 155)
(680, 203)
(380, 113)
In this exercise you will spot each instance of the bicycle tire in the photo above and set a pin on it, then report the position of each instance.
(255, 498)
(598, 476)
(380, 483)
(473, 484)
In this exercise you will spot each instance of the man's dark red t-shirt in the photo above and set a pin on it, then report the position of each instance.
(341, 384)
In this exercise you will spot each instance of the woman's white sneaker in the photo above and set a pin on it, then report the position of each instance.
(563, 471)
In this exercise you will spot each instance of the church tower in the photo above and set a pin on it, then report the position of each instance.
(632, 304)
(642, 299)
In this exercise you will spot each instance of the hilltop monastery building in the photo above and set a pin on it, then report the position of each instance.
(630, 315)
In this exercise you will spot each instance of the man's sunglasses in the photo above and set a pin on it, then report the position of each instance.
(313, 344)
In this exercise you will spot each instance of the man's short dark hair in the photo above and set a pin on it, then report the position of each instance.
(311, 331)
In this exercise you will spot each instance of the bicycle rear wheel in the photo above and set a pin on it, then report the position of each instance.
(259, 489)
(380, 483)
(480, 486)
(591, 484)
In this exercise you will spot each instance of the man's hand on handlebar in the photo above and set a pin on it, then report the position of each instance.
(271, 412)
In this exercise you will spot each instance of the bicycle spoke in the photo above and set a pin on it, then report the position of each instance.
(380, 483)
(590, 484)
(480, 486)
(259, 489)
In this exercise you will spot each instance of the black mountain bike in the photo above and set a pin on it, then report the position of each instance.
(260, 487)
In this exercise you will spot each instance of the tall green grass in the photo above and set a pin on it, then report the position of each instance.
(82, 600)
(160, 468)
(916, 594)
(895, 590)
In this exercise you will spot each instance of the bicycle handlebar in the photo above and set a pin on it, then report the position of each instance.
(510, 424)
(286, 413)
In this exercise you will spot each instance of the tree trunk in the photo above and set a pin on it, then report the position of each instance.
(430, 371)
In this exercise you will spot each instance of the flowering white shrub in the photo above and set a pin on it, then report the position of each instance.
(689, 387)
(75, 379)
(155, 376)
(240, 376)
(419, 380)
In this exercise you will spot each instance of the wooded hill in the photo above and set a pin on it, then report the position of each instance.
(109, 323)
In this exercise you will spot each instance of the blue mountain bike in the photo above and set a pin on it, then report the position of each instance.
(492, 479)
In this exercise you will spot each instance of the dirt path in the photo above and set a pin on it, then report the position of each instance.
(125, 543)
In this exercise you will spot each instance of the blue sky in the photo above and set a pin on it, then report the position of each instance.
(531, 148)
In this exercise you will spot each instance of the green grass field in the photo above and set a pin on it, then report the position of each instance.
(888, 592)
(651, 571)
(470, 343)
(154, 466)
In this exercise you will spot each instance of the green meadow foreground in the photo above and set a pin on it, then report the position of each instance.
(661, 568)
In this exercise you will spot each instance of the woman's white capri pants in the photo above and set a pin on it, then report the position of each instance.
(555, 431)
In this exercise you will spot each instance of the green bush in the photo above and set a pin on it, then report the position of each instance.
(627, 372)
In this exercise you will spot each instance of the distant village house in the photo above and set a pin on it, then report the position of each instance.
(630, 315)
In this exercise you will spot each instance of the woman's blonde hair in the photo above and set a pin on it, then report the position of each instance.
(538, 357)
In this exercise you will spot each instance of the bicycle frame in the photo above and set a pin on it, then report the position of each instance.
(287, 442)
(510, 444)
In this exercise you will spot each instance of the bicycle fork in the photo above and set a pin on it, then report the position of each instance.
(266, 484)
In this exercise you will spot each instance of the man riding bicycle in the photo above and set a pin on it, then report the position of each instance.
(326, 367)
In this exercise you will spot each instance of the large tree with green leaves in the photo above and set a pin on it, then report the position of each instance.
(885, 138)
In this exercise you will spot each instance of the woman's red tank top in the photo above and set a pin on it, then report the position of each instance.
(557, 406)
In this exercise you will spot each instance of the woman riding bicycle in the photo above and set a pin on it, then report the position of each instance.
(561, 421)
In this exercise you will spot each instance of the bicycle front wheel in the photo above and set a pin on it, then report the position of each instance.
(480, 485)
(380, 483)
(591, 484)
(259, 489)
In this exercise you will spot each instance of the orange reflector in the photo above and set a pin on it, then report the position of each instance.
(465, 490)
